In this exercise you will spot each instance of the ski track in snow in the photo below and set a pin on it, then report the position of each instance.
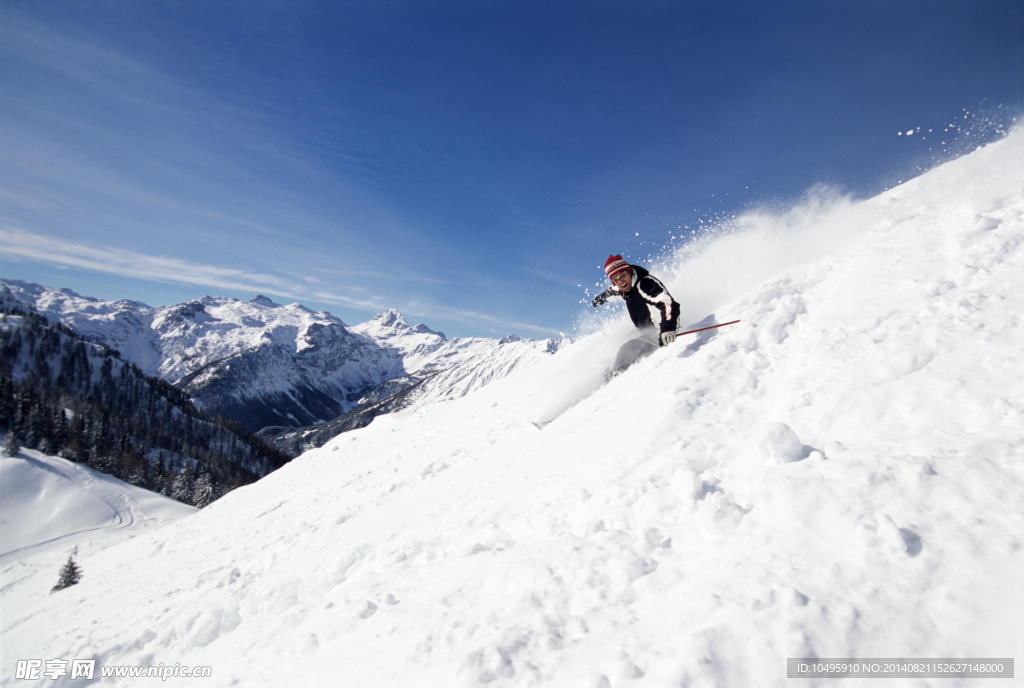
(119, 509)
(91, 502)
(839, 475)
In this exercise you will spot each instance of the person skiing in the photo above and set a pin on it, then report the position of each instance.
(648, 302)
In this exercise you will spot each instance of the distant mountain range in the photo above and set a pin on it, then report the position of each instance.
(65, 395)
(278, 368)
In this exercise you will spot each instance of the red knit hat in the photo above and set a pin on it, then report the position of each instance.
(614, 265)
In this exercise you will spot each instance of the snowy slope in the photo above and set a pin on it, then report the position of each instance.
(841, 475)
(49, 508)
(49, 503)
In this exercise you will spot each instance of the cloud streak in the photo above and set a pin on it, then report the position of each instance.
(19, 244)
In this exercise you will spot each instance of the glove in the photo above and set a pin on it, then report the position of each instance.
(667, 337)
(599, 299)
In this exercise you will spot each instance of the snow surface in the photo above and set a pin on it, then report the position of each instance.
(50, 508)
(50, 503)
(839, 475)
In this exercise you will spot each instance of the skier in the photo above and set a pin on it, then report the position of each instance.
(650, 305)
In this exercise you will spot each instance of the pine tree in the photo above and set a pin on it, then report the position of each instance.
(181, 488)
(202, 492)
(61, 431)
(69, 575)
(11, 444)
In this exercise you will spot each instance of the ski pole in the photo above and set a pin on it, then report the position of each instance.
(709, 327)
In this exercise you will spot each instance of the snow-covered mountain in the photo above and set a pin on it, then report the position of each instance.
(69, 396)
(454, 367)
(264, 364)
(839, 476)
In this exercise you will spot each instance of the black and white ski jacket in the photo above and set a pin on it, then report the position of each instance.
(648, 302)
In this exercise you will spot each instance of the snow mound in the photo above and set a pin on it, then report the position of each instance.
(51, 503)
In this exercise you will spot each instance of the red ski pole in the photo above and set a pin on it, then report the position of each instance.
(709, 327)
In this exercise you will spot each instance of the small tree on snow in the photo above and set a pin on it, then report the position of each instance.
(69, 575)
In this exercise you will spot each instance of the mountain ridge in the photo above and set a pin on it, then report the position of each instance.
(64, 394)
(265, 364)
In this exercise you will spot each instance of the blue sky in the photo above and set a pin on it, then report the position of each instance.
(469, 162)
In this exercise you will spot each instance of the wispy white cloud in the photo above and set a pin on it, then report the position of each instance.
(20, 244)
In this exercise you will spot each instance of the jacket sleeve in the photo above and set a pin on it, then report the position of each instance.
(660, 302)
(604, 296)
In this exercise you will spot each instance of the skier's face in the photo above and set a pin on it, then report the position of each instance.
(623, 281)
